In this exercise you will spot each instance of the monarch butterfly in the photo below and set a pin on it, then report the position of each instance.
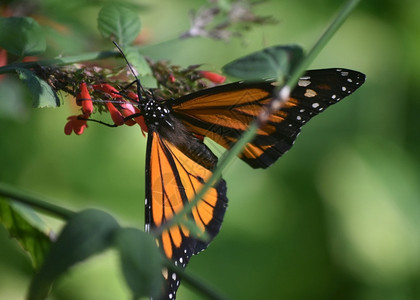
(178, 162)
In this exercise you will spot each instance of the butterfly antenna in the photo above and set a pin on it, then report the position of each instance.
(140, 88)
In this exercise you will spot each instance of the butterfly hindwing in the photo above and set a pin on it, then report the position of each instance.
(223, 113)
(173, 178)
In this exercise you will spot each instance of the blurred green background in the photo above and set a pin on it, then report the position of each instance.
(338, 217)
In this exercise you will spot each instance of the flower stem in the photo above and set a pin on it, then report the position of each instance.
(60, 61)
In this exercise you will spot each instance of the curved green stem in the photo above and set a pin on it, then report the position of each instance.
(280, 95)
(33, 201)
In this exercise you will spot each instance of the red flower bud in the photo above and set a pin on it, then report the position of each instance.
(213, 77)
(83, 98)
(140, 120)
(130, 122)
(106, 88)
(115, 114)
(133, 96)
(30, 58)
(3, 60)
(200, 137)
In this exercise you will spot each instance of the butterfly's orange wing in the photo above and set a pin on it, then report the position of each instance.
(223, 113)
(173, 178)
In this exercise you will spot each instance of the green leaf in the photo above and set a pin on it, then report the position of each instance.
(137, 61)
(34, 239)
(141, 262)
(119, 23)
(273, 62)
(22, 36)
(87, 233)
(41, 93)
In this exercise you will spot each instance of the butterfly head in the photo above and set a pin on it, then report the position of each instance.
(156, 114)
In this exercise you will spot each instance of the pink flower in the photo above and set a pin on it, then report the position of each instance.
(127, 110)
(172, 78)
(213, 77)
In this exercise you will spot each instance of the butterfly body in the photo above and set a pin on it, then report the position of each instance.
(155, 113)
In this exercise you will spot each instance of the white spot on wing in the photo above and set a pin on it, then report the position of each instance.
(310, 93)
(303, 83)
(315, 104)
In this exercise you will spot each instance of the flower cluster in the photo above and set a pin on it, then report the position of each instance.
(121, 108)
(121, 104)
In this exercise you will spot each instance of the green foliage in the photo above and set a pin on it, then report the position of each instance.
(137, 61)
(85, 234)
(31, 39)
(41, 93)
(272, 62)
(140, 261)
(32, 235)
(119, 23)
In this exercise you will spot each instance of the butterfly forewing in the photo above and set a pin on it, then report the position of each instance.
(224, 112)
